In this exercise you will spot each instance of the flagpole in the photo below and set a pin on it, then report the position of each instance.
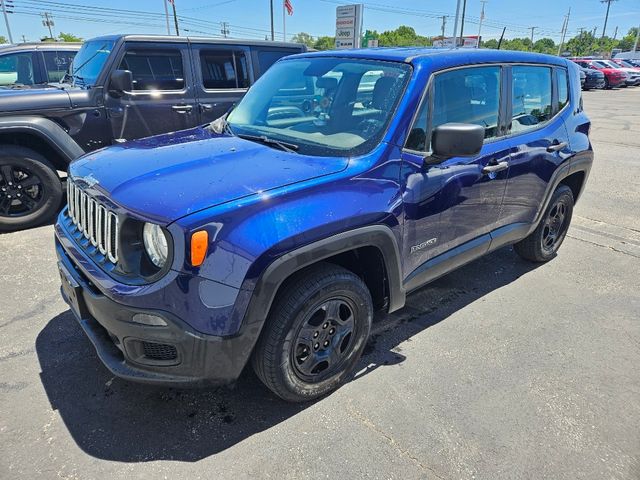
(284, 23)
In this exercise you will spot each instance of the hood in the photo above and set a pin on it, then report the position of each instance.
(169, 176)
(15, 100)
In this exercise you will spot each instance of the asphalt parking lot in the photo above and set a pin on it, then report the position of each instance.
(502, 369)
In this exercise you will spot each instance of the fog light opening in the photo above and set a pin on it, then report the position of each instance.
(148, 319)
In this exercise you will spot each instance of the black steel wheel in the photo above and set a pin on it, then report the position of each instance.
(30, 189)
(314, 334)
(543, 243)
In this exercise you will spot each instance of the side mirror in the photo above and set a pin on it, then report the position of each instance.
(456, 140)
(121, 81)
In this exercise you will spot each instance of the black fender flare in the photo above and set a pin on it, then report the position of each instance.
(379, 236)
(45, 129)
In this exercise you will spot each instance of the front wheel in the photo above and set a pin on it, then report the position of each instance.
(315, 333)
(30, 189)
(543, 243)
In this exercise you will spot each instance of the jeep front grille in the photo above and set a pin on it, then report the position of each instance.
(98, 224)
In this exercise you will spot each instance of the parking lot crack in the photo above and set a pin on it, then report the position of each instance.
(603, 246)
(367, 422)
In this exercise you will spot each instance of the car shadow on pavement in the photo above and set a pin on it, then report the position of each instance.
(116, 420)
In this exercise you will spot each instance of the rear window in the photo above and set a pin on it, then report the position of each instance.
(563, 88)
(16, 68)
(531, 97)
(224, 69)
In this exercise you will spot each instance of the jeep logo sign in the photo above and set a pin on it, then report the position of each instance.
(349, 26)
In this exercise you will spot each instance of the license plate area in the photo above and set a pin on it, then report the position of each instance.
(72, 292)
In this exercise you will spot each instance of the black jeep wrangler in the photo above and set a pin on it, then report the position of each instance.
(118, 88)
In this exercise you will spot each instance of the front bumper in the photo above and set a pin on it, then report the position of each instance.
(594, 82)
(175, 354)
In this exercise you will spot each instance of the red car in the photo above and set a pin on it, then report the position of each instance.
(612, 76)
(625, 64)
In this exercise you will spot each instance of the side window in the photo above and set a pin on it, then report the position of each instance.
(468, 95)
(266, 58)
(563, 88)
(16, 68)
(224, 69)
(417, 139)
(154, 69)
(57, 63)
(531, 97)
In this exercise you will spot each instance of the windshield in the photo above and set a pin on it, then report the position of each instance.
(323, 106)
(89, 60)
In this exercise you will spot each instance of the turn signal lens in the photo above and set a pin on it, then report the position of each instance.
(199, 244)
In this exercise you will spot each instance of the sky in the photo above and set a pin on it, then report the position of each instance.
(250, 18)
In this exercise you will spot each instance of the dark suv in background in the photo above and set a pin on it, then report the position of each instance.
(28, 65)
(119, 88)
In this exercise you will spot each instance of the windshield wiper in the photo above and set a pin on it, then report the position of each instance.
(286, 146)
(220, 125)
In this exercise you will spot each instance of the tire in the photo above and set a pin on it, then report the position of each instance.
(315, 333)
(25, 174)
(543, 243)
(607, 85)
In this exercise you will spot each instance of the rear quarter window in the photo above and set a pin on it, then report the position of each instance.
(531, 97)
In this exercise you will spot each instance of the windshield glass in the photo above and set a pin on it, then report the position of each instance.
(89, 60)
(324, 106)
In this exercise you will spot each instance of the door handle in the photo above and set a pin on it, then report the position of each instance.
(206, 107)
(182, 108)
(556, 146)
(498, 167)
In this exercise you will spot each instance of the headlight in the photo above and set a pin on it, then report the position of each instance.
(155, 244)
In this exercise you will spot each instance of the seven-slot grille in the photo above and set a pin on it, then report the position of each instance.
(98, 224)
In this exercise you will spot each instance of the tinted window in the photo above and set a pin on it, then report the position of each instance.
(16, 68)
(417, 139)
(224, 69)
(469, 95)
(266, 58)
(57, 63)
(531, 97)
(154, 69)
(563, 88)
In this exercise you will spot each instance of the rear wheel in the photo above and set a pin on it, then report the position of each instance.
(30, 189)
(543, 243)
(315, 333)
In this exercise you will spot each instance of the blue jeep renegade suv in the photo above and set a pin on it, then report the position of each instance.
(341, 182)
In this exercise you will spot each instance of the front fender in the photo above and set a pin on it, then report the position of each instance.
(46, 130)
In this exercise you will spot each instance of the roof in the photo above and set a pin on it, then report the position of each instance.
(451, 56)
(30, 46)
(187, 39)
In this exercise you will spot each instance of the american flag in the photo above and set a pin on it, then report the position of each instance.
(288, 6)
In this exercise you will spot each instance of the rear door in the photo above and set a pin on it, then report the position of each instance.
(19, 68)
(223, 74)
(538, 132)
(56, 64)
(162, 99)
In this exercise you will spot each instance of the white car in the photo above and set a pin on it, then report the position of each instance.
(633, 75)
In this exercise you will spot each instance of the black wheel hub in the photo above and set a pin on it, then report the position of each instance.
(554, 226)
(20, 191)
(324, 340)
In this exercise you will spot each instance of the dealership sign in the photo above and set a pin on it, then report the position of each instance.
(348, 26)
(467, 42)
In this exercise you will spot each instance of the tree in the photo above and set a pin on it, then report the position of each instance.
(492, 43)
(403, 36)
(68, 37)
(3, 40)
(325, 43)
(304, 38)
(545, 45)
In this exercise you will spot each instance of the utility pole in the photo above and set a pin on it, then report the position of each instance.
(48, 22)
(6, 19)
(565, 27)
(606, 17)
(464, 9)
(455, 24)
(225, 29)
(595, 29)
(481, 19)
(532, 29)
(24, 39)
(273, 37)
(615, 33)
(175, 16)
(444, 22)
(166, 16)
(635, 44)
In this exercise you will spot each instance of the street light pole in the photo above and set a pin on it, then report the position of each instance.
(532, 29)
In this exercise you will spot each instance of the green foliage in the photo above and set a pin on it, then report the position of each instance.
(3, 39)
(304, 38)
(325, 43)
(68, 37)
(402, 36)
